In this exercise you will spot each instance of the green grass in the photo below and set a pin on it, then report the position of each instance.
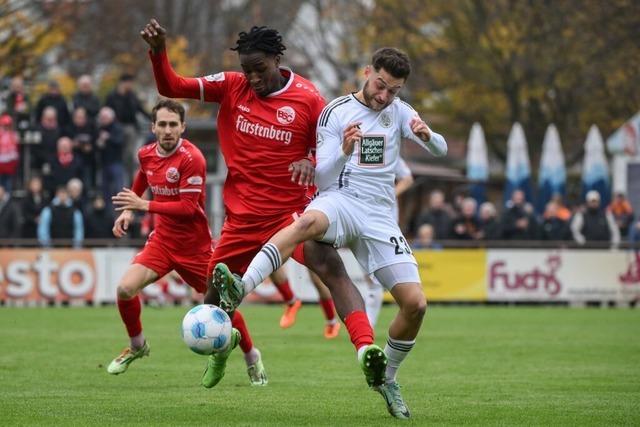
(472, 365)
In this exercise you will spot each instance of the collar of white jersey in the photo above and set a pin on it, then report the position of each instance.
(170, 153)
(286, 86)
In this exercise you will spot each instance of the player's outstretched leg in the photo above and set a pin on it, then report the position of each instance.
(214, 372)
(120, 364)
(395, 403)
(229, 286)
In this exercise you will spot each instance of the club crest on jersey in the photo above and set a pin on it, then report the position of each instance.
(218, 77)
(385, 119)
(285, 115)
(172, 175)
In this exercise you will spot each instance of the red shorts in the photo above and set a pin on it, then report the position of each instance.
(192, 267)
(240, 242)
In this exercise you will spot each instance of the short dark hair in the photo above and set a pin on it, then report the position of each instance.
(394, 61)
(260, 39)
(169, 104)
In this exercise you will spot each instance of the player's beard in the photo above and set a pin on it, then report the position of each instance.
(168, 146)
(370, 101)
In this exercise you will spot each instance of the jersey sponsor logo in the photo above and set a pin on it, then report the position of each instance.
(371, 151)
(385, 119)
(163, 190)
(286, 115)
(245, 125)
(172, 175)
(243, 108)
(218, 77)
(195, 180)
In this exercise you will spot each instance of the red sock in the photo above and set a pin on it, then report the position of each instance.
(130, 313)
(285, 291)
(359, 329)
(328, 308)
(238, 322)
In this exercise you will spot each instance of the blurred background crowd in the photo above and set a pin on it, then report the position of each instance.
(74, 107)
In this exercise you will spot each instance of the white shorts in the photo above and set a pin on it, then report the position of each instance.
(368, 230)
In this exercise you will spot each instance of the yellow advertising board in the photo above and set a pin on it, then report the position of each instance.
(453, 274)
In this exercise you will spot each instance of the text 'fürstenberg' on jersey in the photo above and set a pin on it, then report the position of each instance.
(270, 132)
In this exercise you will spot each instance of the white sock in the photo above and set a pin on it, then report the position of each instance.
(396, 351)
(262, 265)
(252, 356)
(373, 303)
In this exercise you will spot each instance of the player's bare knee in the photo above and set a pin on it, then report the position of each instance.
(305, 227)
(416, 307)
(126, 291)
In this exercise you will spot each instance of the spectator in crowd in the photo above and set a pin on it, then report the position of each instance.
(554, 226)
(518, 221)
(50, 132)
(465, 226)
(83, 132)
(125, 103)
(437, 215)
(75, 188)
(9, 153)
(634, 234)
(425, 238)
(68, 220)
(32, 206)
(594, 224)
(110, 144)
(488, 222)
(562, 212)
(18, 105)
(65, 166)
(53, 98)
(10, 216)
(85, 98)
(622, 212)
(99, 220)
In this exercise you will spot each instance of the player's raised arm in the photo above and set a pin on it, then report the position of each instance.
(414, 128)
(334, 147)
(169, 83)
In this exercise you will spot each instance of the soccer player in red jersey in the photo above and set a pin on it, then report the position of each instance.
(175, 170)
(266, 126)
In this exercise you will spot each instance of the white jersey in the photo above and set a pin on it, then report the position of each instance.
(369, 173)
(402, 169)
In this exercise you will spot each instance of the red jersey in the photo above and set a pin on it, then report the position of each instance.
(259, 136)
(177, 183)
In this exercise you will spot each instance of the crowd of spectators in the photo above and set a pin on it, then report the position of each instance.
(65, 158)
(518, 221)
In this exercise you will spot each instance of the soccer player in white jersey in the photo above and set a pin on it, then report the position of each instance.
(375, 291)
(358, 145)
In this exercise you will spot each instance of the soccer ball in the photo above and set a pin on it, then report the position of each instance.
(206, 329)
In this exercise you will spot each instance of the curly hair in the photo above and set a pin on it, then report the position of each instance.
(261, 39)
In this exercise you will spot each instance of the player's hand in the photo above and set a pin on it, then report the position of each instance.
(420, 128)
(121, 226)
(154, 35)
(128, 200)
(351, 135)
(303, 172)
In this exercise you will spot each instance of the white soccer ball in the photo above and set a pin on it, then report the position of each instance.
(206, 329)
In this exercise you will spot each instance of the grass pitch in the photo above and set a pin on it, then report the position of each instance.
(472, 365)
